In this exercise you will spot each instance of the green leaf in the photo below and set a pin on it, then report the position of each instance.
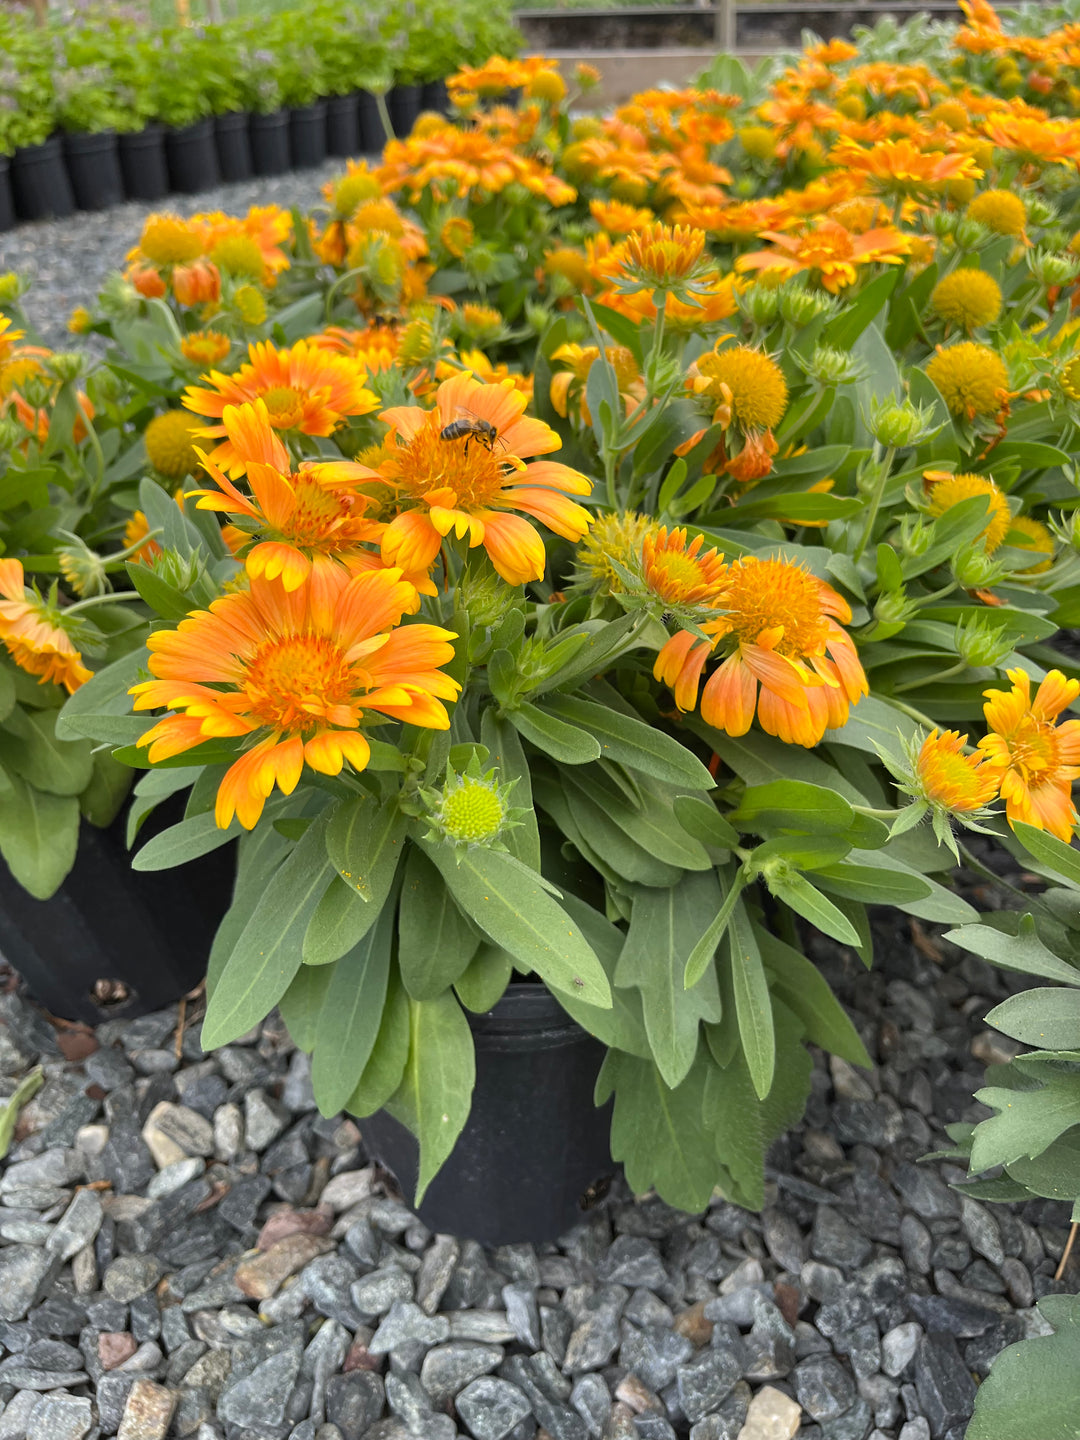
(609, 847)
(660, 1135)
(1046, 1018)
(700, 957)
(267, 954)
(792, 805)
(435, 941)
(29, 747)
(386, 1063)
(1024, 952)
(664, 926)
(871, 723)
(1031, 1388)
(39, 835)
(1055, 1173)
(350, 1019)
(795, 890)
(633, 743)
(752, 1004)
(438, 1080)
(1062, 859)
(511, 907)
(651, 825)
(734, 1118)
(101, 801)
(198, 835)
(363, 841)
(485, 978)
(568, 744)
(7, 691)
(701, 819)
(623, 1026)
(803, 988)
(104, 695)
(505, 751)
(302, 1004)
(1026, 1123)
(872, 885)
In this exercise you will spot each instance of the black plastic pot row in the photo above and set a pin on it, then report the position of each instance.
(93, 172)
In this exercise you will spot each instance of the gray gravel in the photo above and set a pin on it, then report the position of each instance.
(240, 1273)
(68, 260)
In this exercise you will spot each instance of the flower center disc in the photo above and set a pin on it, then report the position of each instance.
(771, 593)
(285, 407)
(292, 682)
(466, 466)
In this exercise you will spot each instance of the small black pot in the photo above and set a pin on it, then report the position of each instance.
(372, 134)
(233, 146)
(93, 166)
(142, 163)
(343, 124)
(405, 107)
(7, 204)
(39, 181)
(307, 135)
(192, 157)
(152, 932)
(435, 96)
(534, 1142)
(270, 143)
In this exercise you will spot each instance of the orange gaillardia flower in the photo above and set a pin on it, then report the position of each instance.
(467, 482)
(899, 167)
(781, 624)
(662, 256)
(947, 777)
(678, 572)
(1034, 759)
(33, 634)
(948, 490)
(294, 671)
(305, 518)
(205, 347)
(304, 388)
(828, 251)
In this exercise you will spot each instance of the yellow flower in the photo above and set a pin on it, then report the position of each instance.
(952, 114)
(947, 777)
(1034, 759)
(251, 305)
(758, 141)
(239, 255)
(80, 320)
(547, 85)
(168, 240)
(613, 536)
(678, 573)
(571, 265)
(758, 390)
(481, 323)
(971, 379)
(1036, 537)
(664, 256)
(205, 347)
(968, 298)
(1069, 378)
(950, 490)
(356, 186)
(457, 236)
(33, 633)
(1000, 211)
(170, 444)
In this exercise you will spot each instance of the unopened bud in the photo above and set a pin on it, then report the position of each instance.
(760, 303)
(982, 643)
(799, 306)
(1051, 269)
(66, 364)
(974, 569)
(898, 424)
(970, 235)
(830, 366)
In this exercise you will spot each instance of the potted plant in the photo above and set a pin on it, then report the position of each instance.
(260, 91)
(220, 71)
(346, 51)
(180, 101)
(39, 182)
(97, 97)
(301, 80)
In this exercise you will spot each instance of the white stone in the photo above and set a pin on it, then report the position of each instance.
(772, 1416)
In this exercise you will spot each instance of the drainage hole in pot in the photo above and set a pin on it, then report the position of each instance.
(111, 994)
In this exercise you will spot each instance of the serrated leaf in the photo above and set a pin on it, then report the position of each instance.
(513, 909)
(435, 941)
(268, 951)
(438, 1081)
(1055, 1173)
(664, 927)
(1032, 1387)
(1026, 1123)
(633, 743)
(1024, 952)
(734, 1118)
(752, 1004)
(350, 1019)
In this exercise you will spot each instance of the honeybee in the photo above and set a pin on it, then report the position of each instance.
(471, 427)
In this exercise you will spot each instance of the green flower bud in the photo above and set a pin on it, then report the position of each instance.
(974, 569)
(537, 317)
(893, 607)
(66, 364)
(898, 424)
(760, 303)
(471, 808)
(942, 223)
(1040, 211)
(12, 286)
(799, 306)
(915, 536)
(1052, 269)
(830, 366)
(970, 235)
(982, 643)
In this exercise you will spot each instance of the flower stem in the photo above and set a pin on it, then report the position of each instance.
(114, 599)
(875, 501)
(945, 675)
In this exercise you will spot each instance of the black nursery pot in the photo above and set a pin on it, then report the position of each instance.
(270, 143)
(39, 181)
(343, 124)
(192, 157)
(405, 106)
(7, 204)
(142, 163)
(435, 96)
(534, 1145)
(233, 146)
(307, 135)
(107, 922)
(93, 166)
(372, 134)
